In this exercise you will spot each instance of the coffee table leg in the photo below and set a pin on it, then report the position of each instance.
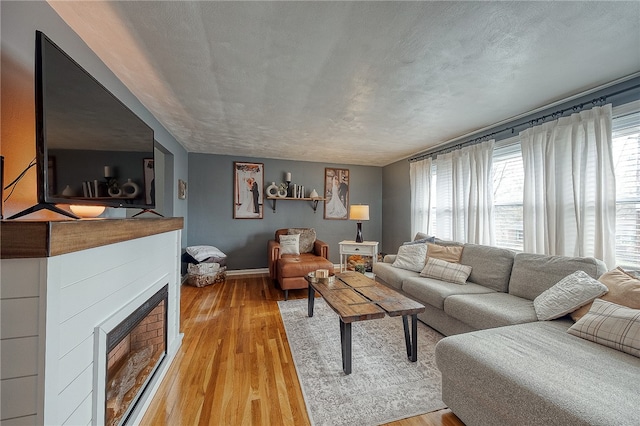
(342, 342)
(411, 341)
(311, 300)
(414, 341)
(345, 341)
(407, 336)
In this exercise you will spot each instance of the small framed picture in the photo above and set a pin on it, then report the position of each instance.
(336, 191)
(149, 181)
(182, 189)
(248, 181)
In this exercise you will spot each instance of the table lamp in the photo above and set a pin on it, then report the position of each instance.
(359, 213)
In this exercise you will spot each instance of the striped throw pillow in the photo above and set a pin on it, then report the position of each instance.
(611, 325)
(446, 271)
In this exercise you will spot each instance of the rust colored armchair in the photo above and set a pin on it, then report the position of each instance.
(289, 270)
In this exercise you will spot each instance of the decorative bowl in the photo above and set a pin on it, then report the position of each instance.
(311, 277)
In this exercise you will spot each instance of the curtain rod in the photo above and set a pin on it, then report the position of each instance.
(534, 121)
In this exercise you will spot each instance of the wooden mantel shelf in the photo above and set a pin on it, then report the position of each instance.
(28, 239)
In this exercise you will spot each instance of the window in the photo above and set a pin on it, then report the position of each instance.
(508, 187)
(626, 158)
(508, 180)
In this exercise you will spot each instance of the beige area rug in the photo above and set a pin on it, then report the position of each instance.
(384, 385)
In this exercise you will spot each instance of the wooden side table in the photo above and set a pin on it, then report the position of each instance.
(365, 248)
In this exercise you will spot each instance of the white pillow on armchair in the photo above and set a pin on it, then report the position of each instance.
(290, 244)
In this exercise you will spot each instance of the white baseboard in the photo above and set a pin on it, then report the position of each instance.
(247, 271)
(262, 271)
(253, 271)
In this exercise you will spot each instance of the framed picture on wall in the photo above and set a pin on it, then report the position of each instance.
(248, 181)
(182, 189)
(336, 191)
(149, 181)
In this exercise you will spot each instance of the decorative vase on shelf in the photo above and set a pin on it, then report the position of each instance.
(272, 190)
(114, 191)
(282, 192)
(68, 191)
(130, 189)
(314, 194)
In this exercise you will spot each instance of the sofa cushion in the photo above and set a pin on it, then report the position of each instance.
(537, 373)
(434, 292)
(307, 238)
(446, 253)
(446, 271)
(623, 290)
(392, 276)
(490, 266)
(421, 238)
(612, 325)
(411, 257)
(490, 310)
(567, 295)
(290, 244)
(447, 243)
(534, 273)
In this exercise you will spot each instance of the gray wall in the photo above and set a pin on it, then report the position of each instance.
(396, 206)
(210, 197)
(19, 21)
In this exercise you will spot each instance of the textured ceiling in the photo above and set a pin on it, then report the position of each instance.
(351, 82)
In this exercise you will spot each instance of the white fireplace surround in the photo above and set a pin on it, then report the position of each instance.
(50, 308)
(100, 358)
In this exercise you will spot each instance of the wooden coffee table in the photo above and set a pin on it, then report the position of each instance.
(355, 297)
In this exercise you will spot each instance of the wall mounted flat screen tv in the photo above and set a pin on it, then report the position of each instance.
(91, 149)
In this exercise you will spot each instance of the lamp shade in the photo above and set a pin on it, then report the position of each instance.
(359, 212)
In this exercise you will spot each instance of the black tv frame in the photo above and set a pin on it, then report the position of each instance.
(46, 202)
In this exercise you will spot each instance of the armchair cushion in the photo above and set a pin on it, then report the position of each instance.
(307, 238)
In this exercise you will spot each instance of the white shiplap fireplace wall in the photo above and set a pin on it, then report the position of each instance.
(50, 307)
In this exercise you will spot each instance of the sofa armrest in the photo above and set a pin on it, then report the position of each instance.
(273, 248)
(320, 248)
(390, 258)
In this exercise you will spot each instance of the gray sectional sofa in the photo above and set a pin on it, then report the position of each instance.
(500, 365)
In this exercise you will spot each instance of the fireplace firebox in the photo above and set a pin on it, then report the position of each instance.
(134, 349)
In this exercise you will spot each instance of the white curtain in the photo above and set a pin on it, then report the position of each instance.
(569, 186)
(420, 180)
(464, 192)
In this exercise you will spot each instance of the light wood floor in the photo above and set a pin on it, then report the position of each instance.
(235, 366)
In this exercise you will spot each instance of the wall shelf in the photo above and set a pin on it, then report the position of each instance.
(314, 201)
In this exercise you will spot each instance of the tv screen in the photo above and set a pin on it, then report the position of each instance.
(91, 148)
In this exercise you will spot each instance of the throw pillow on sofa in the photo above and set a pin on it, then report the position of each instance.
(411, 257)
(421, 238)
(446, 271)
(611, 325)
(290, 244)
(420, 241)
(567, 295)
(446, 253)
(307, 238)
(624, 290)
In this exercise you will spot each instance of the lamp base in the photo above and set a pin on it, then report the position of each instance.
(359, 233)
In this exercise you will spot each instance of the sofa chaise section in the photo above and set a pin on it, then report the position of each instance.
(537, 374)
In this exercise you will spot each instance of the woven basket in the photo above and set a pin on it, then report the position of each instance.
(200, 276)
